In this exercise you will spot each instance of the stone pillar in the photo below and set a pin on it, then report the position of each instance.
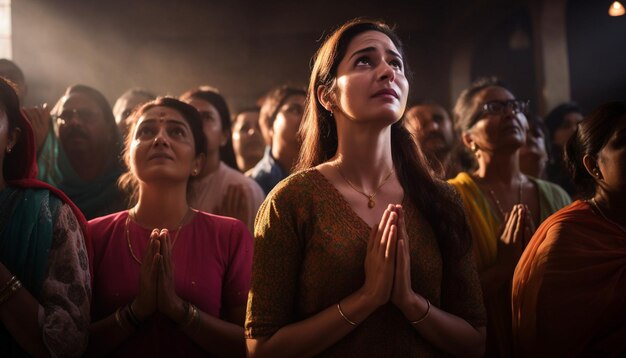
(460, 69)
(550, 52)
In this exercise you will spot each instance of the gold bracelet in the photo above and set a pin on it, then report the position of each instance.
(192, 313)
(6, 286)
(118, 320)
(132, 318)
(8, 292)
(425, 314)
(352, 323)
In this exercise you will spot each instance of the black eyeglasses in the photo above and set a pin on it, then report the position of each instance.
(84, 115)
(501, 107)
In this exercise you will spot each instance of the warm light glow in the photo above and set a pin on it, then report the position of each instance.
(617, 9)
(6, 47)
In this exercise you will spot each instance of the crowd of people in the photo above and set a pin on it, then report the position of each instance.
(333, 220)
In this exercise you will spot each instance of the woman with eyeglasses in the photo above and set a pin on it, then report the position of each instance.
(503, 206)
(220, 188)
(569, 287)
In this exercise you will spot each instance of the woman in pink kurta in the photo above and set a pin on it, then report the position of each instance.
(168, 280)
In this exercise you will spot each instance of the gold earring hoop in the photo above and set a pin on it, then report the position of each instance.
(473, 148)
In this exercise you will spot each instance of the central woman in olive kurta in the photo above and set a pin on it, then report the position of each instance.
(362, 252)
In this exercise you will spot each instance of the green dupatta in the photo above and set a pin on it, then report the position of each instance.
(26, 228)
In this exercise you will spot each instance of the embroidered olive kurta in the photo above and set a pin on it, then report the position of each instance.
(309, 253)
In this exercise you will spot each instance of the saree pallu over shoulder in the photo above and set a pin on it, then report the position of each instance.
(484, 221)
(485, 224)
(41, 243)
(26, 235)
(569, 287)
(481, 219)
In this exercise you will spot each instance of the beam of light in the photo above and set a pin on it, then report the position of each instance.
(6, 43)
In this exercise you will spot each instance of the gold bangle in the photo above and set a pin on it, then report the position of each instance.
(132, 318)
(118, 320)
(8, 284)
(352, 323)
(8, 292)
(120, 323)
(190, 314)
(425, 314)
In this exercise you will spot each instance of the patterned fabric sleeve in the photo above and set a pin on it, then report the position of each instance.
(66, 292)
(276, 265)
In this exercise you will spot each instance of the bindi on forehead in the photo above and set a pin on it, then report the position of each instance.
(161, 117)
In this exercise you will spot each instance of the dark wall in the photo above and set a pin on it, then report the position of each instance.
(597, 53)
(241, 47)
(245, 47)
(495, 56)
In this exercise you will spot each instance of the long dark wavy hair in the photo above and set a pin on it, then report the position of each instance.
(435, 199)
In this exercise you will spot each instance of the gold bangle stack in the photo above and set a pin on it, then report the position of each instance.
(421, 319)
(9, 289)
(352, 323)
(132, 317)
(118, 320)
(191, 314)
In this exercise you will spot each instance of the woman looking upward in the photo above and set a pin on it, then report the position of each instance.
(168, 280)
(503, 206)
(352, 256)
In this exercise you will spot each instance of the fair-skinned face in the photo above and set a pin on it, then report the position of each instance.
(124, 106)
(611, 161)
(211, 124)
(82, 125)
(163, 147)
(431, 127)
(247, 138)
(497, 131)
(566, 129)
(286, 125)
(370, 83)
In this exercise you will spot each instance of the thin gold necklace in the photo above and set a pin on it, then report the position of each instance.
(370, 197)
(595, 204)
(133, 213)
(495, 198)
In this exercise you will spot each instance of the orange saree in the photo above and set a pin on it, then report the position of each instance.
(569, 287)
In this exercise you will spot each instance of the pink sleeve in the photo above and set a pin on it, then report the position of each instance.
(237, 277)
